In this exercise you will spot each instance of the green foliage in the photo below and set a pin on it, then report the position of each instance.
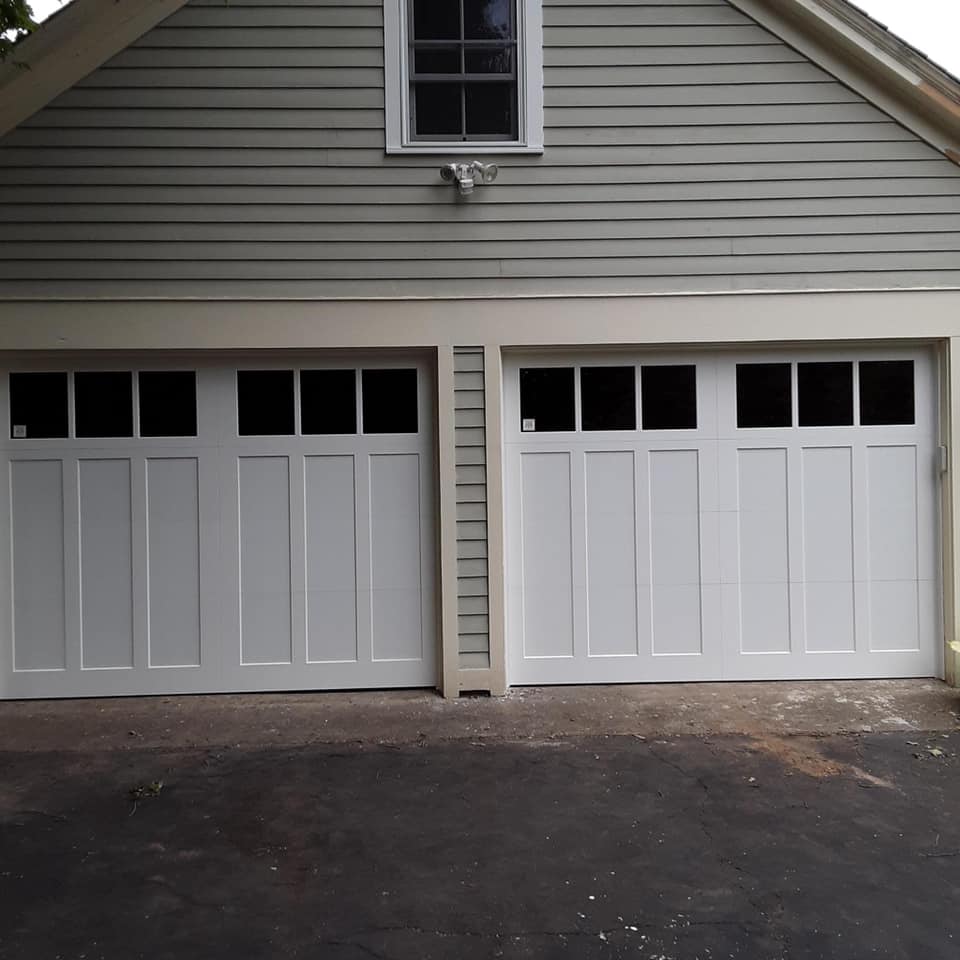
(16, 21)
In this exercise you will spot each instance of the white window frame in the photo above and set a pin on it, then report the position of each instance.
(529, 87)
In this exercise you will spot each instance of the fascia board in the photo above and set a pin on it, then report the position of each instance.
(871, 61)
(73, 43)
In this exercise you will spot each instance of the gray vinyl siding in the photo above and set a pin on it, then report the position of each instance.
(238, 150)
(471, 458)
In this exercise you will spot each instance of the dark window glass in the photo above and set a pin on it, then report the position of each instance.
(668, 397)
(437, 107)
(483, 60)
(433, 60)
(168, 403)
(104, 404)
(824, 394)
(265, 405)
(763, 395)
(436, 20)
(886, 392)
(38, 405)
(487, 19)
(490, 110)
(389, 401)
(328, 401)
(608, 398)
(547, 399)
(463, 75)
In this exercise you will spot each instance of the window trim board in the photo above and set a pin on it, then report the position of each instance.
(529, 87)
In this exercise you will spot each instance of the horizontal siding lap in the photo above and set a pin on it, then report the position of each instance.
(65, 176)
(269, 238)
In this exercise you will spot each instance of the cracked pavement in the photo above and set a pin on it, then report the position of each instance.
(659, 847)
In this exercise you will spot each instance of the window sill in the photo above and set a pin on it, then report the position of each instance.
(461, 149)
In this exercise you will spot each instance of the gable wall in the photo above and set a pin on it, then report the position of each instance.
(237, 150)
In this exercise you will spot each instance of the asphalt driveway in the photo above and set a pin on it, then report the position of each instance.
(665, 847)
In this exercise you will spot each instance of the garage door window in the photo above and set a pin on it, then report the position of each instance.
(104, 403)
(886, 392)
(764, 395)
(547, 399)
(668, 397)
(265, 403)
(608, 398)
(39, 407)
(390, 401)
(167, 403)
(825, 394)
(328, 401)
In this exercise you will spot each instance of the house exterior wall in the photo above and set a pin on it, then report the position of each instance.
(238, 150)
(227, 173)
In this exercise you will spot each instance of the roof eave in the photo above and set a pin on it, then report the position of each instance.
(871, 60)
(80, 38)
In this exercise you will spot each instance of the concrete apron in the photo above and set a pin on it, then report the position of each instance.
(526, 714)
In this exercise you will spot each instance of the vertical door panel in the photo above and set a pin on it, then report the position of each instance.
(611, 500)
(828, 549)
(675, 551)
(106, 589)
(39, 628)
(173, 557)
(331, 558)
(395, 556)
(546, 544)
(264, 520)
(894, 590)
(763, 556)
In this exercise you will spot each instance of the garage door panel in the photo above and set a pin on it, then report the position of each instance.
(611, 536)
(173, 560)
(764, 549)
(39, 597)
(331, 558)
(764, 618)
(764, 517)
(106, 564)
(264, 523)
(547, 572)
(892, 498)
(395, 554)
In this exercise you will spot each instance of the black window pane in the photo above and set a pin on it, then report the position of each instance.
(886, 392)
(437, 107)
(389, 401)
(433, 60)
(547, 399)
(487, 19)
(38, 405)
(265, 405)
(168, 403)
(436, 20)
(668, 397)
(608, 398)
(763, 395)
(492, 60)
(104, 404)
(328, 401)
(490, 109)
(824, 394)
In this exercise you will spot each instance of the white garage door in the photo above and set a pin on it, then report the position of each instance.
(722, 516)
(203, 528)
